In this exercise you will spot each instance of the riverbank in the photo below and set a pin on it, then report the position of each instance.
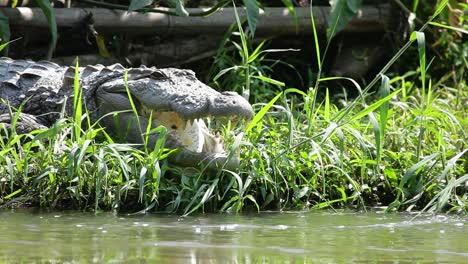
(402, 149)
(400, 142)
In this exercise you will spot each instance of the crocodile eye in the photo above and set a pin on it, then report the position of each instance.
(174, 127)
(158, 75)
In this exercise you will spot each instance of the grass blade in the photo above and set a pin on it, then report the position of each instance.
(316, 40)
(49, 12)
(77, 102)
(374, 106)
(461, 30)
(258, 117)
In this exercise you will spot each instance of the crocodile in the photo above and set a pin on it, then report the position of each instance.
(173, 98)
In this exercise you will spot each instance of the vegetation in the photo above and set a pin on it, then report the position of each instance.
(401, 144)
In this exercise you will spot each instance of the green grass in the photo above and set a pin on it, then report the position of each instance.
(311, 160)
(400, 145)
(408, 152)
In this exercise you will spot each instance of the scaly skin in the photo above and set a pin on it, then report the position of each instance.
(173, 98)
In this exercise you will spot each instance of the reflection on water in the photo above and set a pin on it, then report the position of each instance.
(293, 237)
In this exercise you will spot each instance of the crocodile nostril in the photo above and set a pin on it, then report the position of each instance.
(174, 127)
(233, 102)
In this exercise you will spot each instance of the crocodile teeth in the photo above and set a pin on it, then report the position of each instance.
(214, 143)
(235, 120)
(193, 137)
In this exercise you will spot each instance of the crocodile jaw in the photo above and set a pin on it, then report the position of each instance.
(197, 138)
(193, 135)
(196, 143)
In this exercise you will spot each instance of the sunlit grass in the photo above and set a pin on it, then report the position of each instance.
(400, 145)
(342, 163)
(293, 156)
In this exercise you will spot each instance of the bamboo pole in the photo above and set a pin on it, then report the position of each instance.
(272, 21)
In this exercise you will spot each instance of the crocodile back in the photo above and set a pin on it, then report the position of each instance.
(42, 87)
(36, 84)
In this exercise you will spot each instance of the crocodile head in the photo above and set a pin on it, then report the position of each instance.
(177, 100)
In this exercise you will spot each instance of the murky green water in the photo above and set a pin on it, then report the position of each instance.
(295, 237)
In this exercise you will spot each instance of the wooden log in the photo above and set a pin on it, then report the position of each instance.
(169, 53)
(272, 21)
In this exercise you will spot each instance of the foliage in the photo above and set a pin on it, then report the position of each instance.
(252, 12)
(342, 11)
(402, 146)
(445, 37)
(296, 155)
(251, 70)
(48, 11)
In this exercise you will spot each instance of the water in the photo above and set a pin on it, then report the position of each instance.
(293, 237)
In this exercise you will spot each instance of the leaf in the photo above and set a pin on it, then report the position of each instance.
(49, 12)
(420, 37)
(442, 197)
(384, 91)
(451, 164)
(377, 133)
(12, 194)
(299, 193)
(415, 5)
(329, 131)
(383, 109)
(161, 141)
(330, 203)
(342, 11)
(326, 112)
(461, 30)
(139, 4)
(179, 7)
(80, 158)
(290, 6)
(374, 106)
(353, 6)
(411, 173)
(261, 113)
(141, 183)
(245, 50)
(316, 40)
(208, 192)
(253, 12)
(256, 52)
(102, 46)
(205, 197)
(252, 199)
(269, 80)
(52, 131)
(240, 183)
(77, 101)
(224, 71)
(440, 8)
(228, 203)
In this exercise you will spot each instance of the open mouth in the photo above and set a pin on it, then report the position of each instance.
(207, 134)
(190, 110)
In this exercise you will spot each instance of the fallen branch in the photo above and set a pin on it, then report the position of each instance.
(272, 21)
